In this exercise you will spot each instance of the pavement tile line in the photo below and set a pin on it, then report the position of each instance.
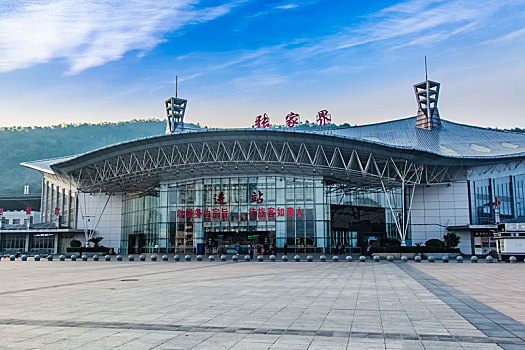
(132, 278)
(243, 330)
(502, 329)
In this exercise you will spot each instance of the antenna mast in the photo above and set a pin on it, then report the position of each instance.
(428, 89)
(177, 80)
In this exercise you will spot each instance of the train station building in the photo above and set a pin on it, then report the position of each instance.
(190, 191)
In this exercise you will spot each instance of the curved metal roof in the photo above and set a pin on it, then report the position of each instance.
(450, 140)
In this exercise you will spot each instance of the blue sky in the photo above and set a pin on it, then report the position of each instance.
(64, 61)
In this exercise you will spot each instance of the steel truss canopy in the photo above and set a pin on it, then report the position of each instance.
(138, 166)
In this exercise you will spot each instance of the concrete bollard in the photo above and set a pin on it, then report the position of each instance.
(166, 258)
(260, 258)
(512, 259)
(310, 258)
(417, 258)
(142, 257)
(322, 258)
(474, 259)
(459, 259)
(187, 257)
(108, 257)
(404, 258)
(12, 258)
(211, 258)
(199, 257)
(176, 258)
(247, 258)
(62, 258)
(37, 257)
(154, 257)
(272, 258)
(235, 258)
(119, 257)
(284, 258)
(297, 258)
(74, 257)
(131, 258)
(24, 257)
(95, 257)
(84, 257)
(362, 258)
(377, 258)
(489, 259)
(445, 259)
(431, 259)
(390, 258)
(50, 257)
(349, 258)
(224, 257)
(335, 258)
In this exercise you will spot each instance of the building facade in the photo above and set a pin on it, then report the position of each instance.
(191, 191)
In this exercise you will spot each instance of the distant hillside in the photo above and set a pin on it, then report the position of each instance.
(21, 144)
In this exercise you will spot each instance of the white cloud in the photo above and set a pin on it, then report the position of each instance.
(287, 6)
(90, 33)
(419, 18)
(508, 37)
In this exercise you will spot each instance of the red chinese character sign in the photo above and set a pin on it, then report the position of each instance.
(57, 211)
(257, 197)
(262, 121)
(219, 199)
(1, 211)
(323, 117)
(292, 119)
(222, 214)
(28, 210)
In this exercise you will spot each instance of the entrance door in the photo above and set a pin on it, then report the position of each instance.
(134, 244)
(233, 242)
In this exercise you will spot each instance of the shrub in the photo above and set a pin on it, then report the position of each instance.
(422, 249)
(392, 242)
(75, 243)
(435, 243)
(451, 240)
(82, 250)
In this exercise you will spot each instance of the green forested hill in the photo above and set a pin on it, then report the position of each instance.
(23, 144)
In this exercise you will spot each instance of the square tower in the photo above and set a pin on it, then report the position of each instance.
(427, 94)
(175, 110)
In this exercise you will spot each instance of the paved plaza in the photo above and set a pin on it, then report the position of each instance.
(270, 305)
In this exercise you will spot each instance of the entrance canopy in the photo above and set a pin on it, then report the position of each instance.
(140, 165)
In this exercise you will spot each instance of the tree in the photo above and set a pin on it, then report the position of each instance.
(451, 240)
(96, 241)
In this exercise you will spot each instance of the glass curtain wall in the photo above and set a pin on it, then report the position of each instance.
(183, 217)
(510, 191)
(286, 209)
(360, 217)
(198, 215)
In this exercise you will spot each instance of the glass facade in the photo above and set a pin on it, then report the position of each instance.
(12, 243)
(510, 192)
(201, 215)
(56, 199)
